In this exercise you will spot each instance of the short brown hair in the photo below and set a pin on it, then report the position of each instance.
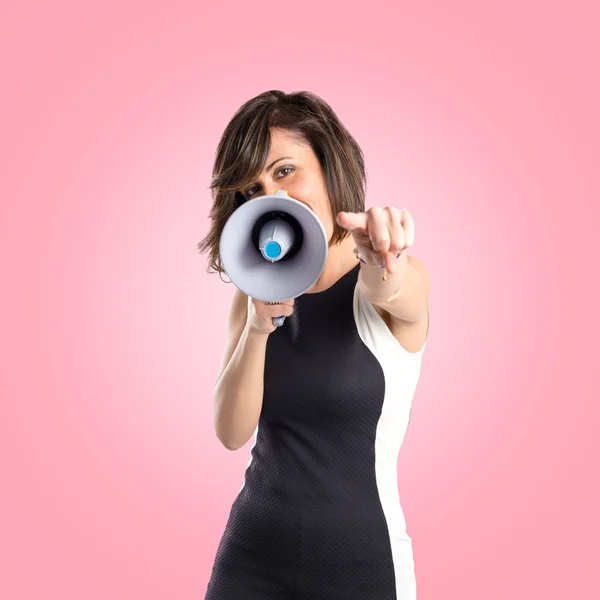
(245, 145)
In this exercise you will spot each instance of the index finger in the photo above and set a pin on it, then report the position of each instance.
(351, 221)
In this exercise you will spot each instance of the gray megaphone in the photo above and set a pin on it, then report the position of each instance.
(273, 248)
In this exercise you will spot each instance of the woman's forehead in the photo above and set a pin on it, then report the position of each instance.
(284, 143)
(283, 138)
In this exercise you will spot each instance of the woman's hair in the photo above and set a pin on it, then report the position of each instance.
(245, 145)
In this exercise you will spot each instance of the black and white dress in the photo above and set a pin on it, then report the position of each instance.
(319, 516)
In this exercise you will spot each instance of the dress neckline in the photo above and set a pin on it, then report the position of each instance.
(333, 285)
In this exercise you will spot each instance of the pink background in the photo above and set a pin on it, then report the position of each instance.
(483, 122)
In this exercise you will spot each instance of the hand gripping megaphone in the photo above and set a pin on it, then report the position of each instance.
(273, 248)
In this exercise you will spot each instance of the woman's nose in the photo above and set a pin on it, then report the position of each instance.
(268, 187)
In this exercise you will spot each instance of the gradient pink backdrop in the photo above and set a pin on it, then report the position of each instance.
(482, 121)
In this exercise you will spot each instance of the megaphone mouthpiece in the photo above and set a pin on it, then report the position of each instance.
(276, 238)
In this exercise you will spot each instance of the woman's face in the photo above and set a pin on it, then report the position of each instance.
(293, 166)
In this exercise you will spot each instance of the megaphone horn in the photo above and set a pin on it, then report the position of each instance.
(273, 248)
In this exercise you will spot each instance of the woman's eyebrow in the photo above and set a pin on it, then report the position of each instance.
(276, 161)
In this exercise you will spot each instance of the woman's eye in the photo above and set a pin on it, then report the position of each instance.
(288, 169)
(283, 172)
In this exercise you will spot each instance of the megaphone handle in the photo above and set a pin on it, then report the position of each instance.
(278, 321)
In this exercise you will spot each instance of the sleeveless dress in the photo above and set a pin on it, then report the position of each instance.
(318, 516)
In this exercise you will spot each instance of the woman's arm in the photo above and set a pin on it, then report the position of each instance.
(383, 235)
(239, 390)
(405, 293)
(238, 393)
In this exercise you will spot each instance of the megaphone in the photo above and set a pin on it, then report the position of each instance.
(273, 248)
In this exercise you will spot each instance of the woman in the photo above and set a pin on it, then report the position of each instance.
(329, 393)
